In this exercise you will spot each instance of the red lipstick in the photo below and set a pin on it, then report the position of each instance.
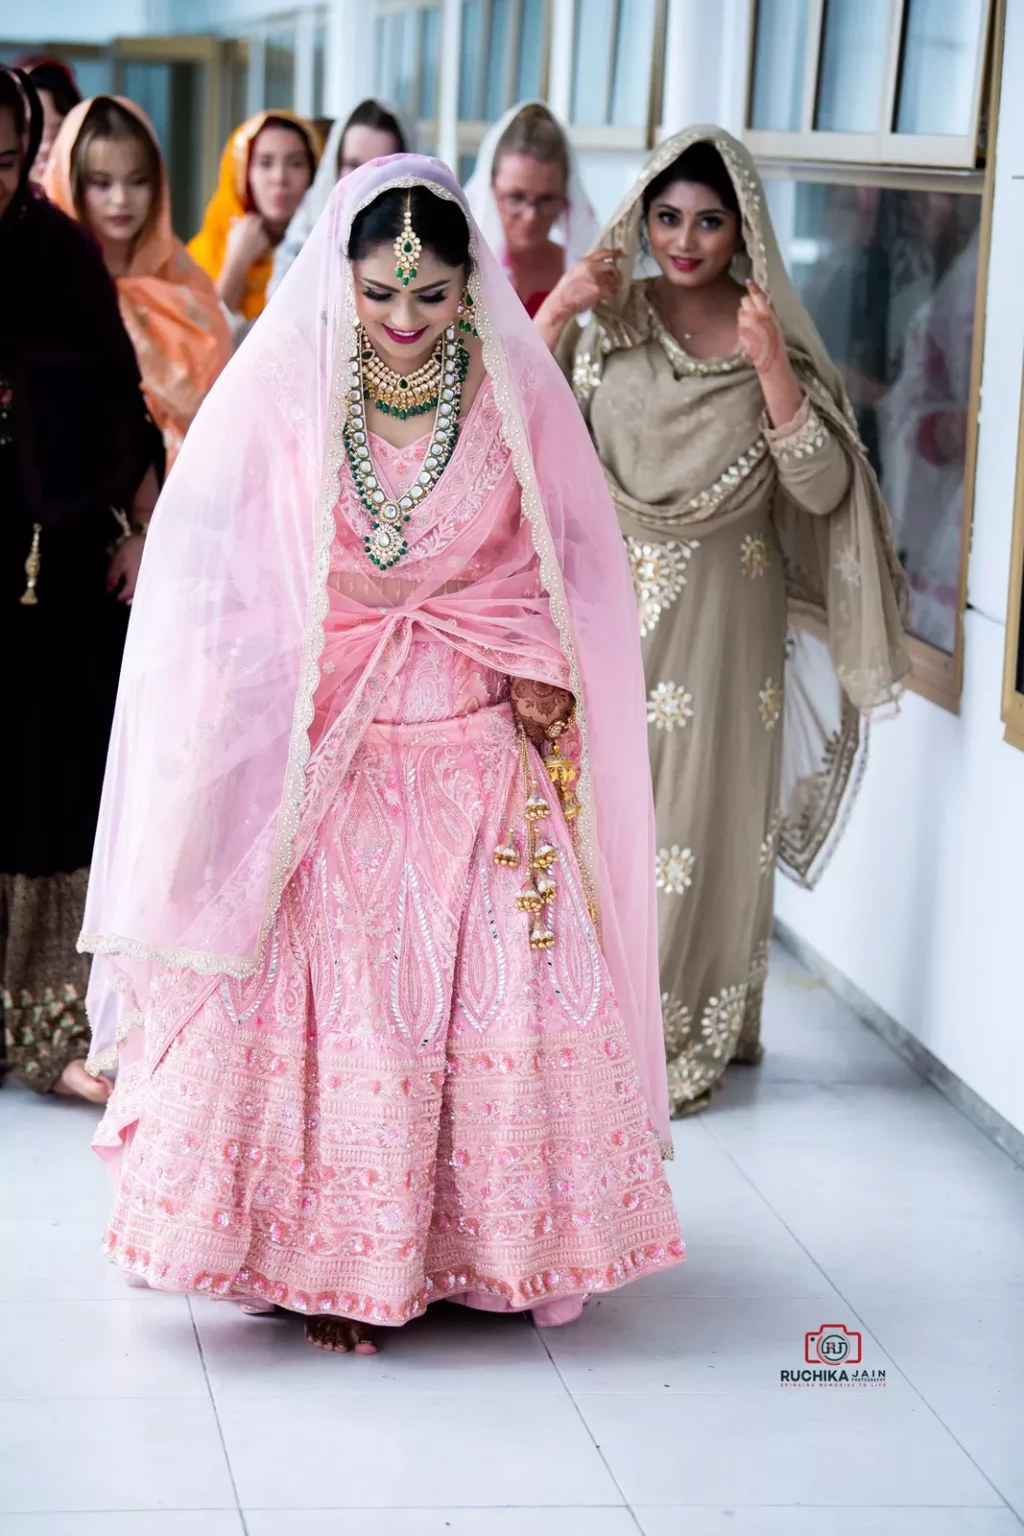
(405, 338)
(685, 263)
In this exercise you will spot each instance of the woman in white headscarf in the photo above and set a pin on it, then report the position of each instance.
(371, 131)
(527, 187)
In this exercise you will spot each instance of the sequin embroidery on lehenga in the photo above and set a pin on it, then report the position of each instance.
(406, 1102)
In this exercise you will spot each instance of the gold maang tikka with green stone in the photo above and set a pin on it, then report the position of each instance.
(407, 248)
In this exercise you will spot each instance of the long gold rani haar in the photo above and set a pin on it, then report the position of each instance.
(33, 565)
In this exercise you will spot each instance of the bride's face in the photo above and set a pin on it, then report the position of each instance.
(403, 324)
(693, 236)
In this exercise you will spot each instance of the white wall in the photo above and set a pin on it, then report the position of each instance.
(71, 21)
(923, 906)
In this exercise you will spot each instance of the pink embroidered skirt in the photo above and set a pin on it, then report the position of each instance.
(407, 1102)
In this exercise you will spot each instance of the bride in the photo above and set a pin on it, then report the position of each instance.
(373, 894)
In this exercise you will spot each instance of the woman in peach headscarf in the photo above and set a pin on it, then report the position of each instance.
(266, 170)
(106, 170)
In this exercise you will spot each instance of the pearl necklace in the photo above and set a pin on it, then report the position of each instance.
(385, 544)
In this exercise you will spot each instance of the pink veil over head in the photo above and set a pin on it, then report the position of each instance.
(230, 719)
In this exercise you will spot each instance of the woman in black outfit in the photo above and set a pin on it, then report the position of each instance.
(79, 468)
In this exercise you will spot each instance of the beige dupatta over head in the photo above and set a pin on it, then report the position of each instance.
(845, 588)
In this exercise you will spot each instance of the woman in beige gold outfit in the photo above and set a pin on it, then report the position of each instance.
(769, 596)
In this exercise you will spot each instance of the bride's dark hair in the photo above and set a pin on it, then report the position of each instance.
(438, 221)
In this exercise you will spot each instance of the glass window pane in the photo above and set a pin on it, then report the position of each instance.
(92, 74)
(499, 45)
(390, 33)
(470, 62)
(940, 53)
(407, 40)
(279, 68)
(853, 66)
(430, 44)
(595, 21)
(533, 28)
(889, 277)
(319, 67)
(780, 48)
(379, 53)
(171, 93)
(634, 51)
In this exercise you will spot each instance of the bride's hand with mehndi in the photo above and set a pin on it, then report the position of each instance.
(763, 344)
(538, 705)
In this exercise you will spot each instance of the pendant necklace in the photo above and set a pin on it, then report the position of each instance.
(436, 385)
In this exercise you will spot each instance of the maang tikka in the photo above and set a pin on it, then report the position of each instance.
(407, 248)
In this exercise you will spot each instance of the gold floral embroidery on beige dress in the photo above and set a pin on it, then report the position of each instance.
(770, 704)
(668, 706)
(674, 869)
(755, 555)
(659, 575)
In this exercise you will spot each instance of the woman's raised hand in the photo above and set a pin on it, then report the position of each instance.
(248, 241)
(588, 281)
(758, 331)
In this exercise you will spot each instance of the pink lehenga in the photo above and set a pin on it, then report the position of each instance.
(397, 1098)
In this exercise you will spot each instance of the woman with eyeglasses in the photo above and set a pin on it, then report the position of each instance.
(527, 187)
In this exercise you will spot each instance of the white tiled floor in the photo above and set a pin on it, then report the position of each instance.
(830, 1185)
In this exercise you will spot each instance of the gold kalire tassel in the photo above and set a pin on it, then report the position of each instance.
(537, 897)
(33, 565)
(538, 892)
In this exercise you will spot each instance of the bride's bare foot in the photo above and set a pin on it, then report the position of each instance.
(76, 1083)
(339, 1335)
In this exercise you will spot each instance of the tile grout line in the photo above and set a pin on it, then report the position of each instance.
(915, 1389)
(589, 1432)
(216, 1416)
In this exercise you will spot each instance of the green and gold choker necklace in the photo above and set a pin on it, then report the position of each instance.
(385, 544)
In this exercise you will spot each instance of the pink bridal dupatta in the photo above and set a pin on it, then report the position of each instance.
(234, 724)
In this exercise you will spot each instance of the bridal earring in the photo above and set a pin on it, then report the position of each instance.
(465, 315)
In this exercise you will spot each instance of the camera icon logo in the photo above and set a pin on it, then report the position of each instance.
(832, 1344)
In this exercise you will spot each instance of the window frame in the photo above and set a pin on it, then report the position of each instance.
(471, 130)
(618, 136)
(184, 48)
(884, 146)
(304, 19)
(426, 127)
(935, 674)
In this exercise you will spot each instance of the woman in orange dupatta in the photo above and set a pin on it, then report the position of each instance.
(266, 170)
(106, 170)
